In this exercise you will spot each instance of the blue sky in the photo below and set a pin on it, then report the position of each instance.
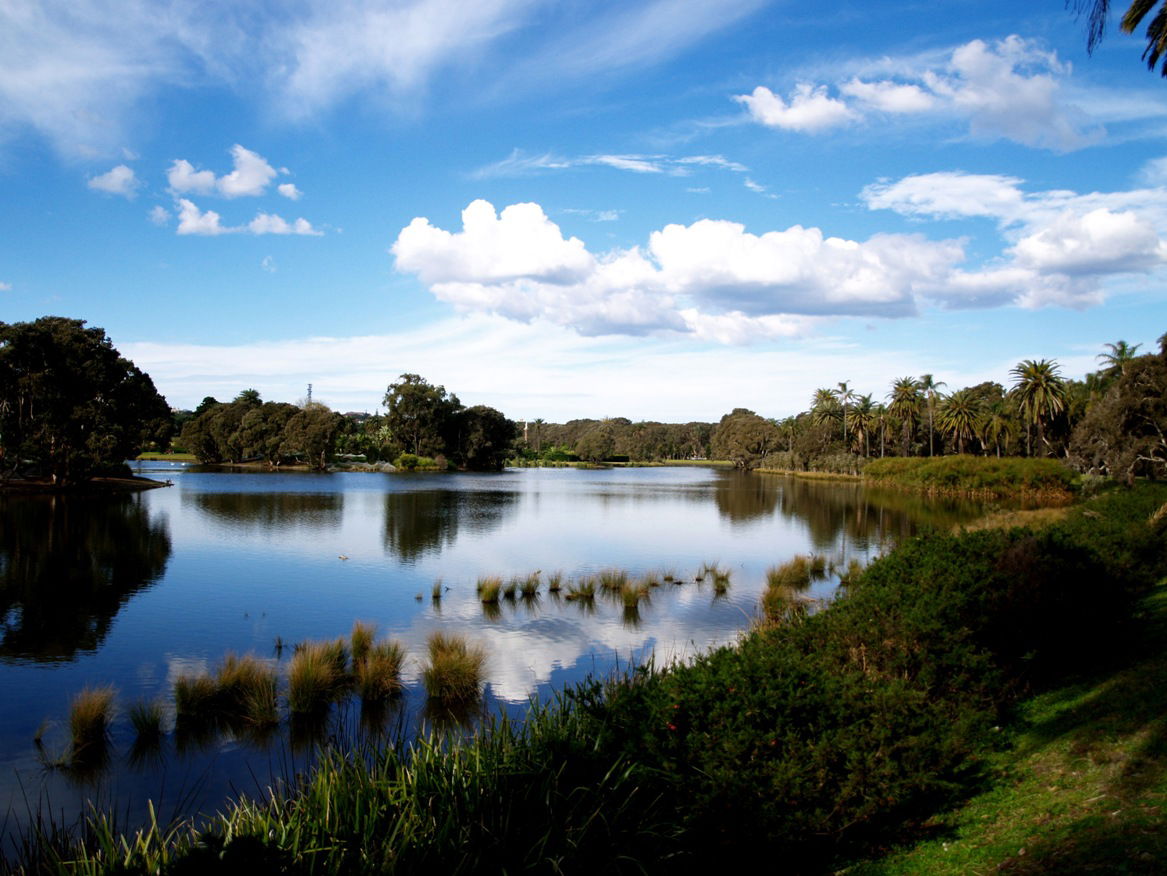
(659, 210)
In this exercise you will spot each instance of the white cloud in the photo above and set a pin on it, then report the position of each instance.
(159, 215)
(289, 191)
(191, 220)
(519, 163)
(183, 178)
(118, 181)
(269, 223)
(711, 278)
(5, 287)
(809, 110)
(1010, 89)
(268, 264)
(249, 178)
(1063, 245)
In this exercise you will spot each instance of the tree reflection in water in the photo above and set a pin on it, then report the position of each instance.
(418, 522)
(67, 566)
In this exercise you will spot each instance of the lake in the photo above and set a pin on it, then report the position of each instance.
(135, 591)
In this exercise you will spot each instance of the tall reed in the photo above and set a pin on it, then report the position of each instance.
(361, 639)
(379, 674)
(454, 668)
(90, 714)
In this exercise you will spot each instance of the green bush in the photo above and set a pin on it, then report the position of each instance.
(981, 474)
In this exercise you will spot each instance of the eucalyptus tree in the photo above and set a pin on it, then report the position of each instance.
(1040, 392)
(905, 407)
(744, 438)
(928, 386)
(960, 416)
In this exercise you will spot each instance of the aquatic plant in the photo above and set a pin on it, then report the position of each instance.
(613, 580)
(313, 678)
(554, 582)
(436, 590)
(581, 589)
(361, 639)
(246, 690)
(454, 668)
(195, 696)
(530, 586)
(489, 589)
(379, 674)
(89, 717)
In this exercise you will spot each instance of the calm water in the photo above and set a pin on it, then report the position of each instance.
(135, 591)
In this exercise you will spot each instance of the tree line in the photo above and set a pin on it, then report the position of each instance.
(1112, 422)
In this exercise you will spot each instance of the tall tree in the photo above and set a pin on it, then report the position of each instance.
(1040, 392)
(744, 438)
(905, 407)
(70, 403)
(1120, 354)
(960, 417)
(928, 386)
(845, 395)
(420, 415)
(864, 418)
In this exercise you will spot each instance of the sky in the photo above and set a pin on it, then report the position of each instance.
(654, 209)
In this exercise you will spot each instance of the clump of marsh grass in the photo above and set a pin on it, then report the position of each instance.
(195, 697)
(720, 581)
(554, 582)
(489, 589)
(361, 640)
(246, 690)
(90, 714)
(613, 580)
(316, 676)
(530, 586)
(436, 591)
(146, 719)
(851, 574)
(584, 590)
(511, 589)
(818, 566)
(632, 593)
(651, 579)
(785, 584)
(379, 674)
(454, 668)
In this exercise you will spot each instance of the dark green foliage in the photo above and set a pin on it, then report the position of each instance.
(484, 438)
(744, 438)
(70, 404)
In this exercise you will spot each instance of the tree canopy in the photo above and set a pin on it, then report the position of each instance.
(71, 406)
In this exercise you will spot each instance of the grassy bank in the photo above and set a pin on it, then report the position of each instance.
(985, 476)
(824, 739)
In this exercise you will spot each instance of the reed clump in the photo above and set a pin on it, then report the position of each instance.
(195, 697)
(453, 671)
(632, 593)
(90, 714)
(490, 589)
(530, 586)
(317, 676)
(379, 673)
(613, 580)
(361, 639)
(785, 584)
(146, 719)
(554, 582)
(246, 690)
(582, 590)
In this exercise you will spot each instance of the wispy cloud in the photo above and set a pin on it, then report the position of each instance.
(520, 163)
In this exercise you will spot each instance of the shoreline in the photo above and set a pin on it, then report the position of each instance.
(131, 484)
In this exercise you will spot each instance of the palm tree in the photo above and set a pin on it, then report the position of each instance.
(905, 407)
(863, 419)
(997, 425)
(823, 407)
(844, 394)
(960, 416)
(1040, 392)
(929, 386)
(1120, 354)
(1098, 10)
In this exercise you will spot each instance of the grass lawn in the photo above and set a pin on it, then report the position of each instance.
(1083, 786)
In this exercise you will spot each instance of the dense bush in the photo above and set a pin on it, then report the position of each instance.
(981, 474)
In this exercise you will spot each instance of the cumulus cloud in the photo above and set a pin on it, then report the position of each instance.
(810, 109)
(1008, 89)
(159, 215)
(249, 178)
(191, 220)
(712, 278)
(1061, 246)
(118, 181)
(289, 191)
(269, 223)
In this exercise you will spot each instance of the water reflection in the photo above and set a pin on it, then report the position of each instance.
(271, 510)
(742, 497)
(67, 565)
(418, 522)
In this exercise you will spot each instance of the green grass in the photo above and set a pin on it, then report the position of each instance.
(90, 714)
(453, 671)
(316, 676)
(379, 673)
(361, 640)
(146, 719)
(170, 457)
(981, 475)
(1081, 787)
